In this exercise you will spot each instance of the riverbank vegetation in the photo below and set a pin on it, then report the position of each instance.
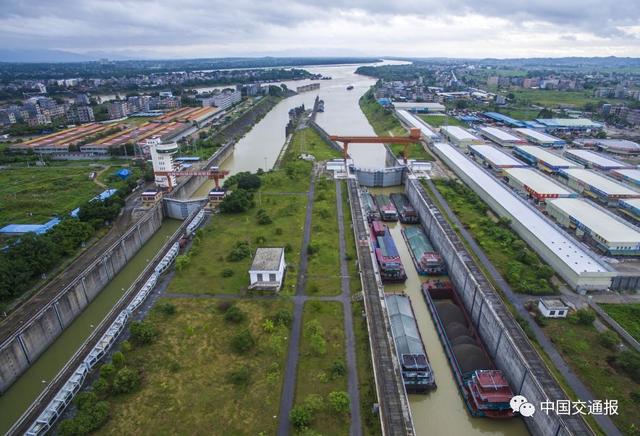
(627, 315)
(212, 368)
(597, 359)
(520, 266)
(322, 403)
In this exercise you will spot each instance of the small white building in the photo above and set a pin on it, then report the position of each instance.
(267, 270)
(553, 308)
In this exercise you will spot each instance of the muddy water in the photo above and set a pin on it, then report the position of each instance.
(441, 412)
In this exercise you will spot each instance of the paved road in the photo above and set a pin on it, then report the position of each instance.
(289, 383)
(572, 379)
(352, 369)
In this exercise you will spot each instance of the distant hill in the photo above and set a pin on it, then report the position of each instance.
(39, 56)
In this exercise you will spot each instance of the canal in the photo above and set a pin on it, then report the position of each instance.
(27, 388)
(442, 411)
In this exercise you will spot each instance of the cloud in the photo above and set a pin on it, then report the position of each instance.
(188, 28)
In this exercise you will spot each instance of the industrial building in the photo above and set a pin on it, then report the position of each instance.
(535, 184)
(59, 142)
(428, 134)
(135, 135)
(594, 160)
(631, 208)
(610, 233)
(541, 139)
(459, 136)
(618, 146)
(569, 124)
(597, 186)
(422, 107)
(553, 308)
(500, 118)
(267, 270)
(501, 137)
(162, 160)
(493, 158)
(543, 159)
(579, 267)
(630, 175)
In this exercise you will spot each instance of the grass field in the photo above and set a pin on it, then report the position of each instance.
(323, 270)
(441, 120)
(553, 98)
(627, 315)
(581, 348)
(520, 113)
(34, 195)
(415, 151)
(317, 375)
(205, 271)
(186, 371)
(309, 142)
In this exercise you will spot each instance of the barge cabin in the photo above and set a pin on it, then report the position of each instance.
(387, 210)
(426, 259)
(370, 207)
(387, 256)
(484, 388)
(417, 373)
(406, 212)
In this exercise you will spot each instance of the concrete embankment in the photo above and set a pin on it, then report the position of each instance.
(34, 336)
(504, 339)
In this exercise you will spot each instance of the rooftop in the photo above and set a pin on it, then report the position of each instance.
(604, 224)
(619, 145)
(537, 182)
(553, 303)
(595, 159)
(267, 259)
(538, 136)
(496, 156)
(568, 122)
(500, 134)
(600, 182)
(504, 119)
(403, 325)
(547, 157)
(562, 245)
(417, 122)
(459, 133)
(629, 173)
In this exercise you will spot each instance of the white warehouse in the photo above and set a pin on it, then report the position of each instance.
(501, 137)
(428, 134)
(459, 136)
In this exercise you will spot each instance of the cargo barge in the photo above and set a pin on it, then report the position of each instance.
(417, 373)
(426, 259)
(406, 212)
(387, 210)
(387, 256)
(484, 389)
(370, 207)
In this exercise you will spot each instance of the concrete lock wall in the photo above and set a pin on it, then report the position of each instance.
(181, 209)
(495, 325)
(19, 351)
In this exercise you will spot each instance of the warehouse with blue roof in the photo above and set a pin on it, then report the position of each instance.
(500, 118)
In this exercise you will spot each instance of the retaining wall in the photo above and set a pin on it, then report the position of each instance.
(504, 339)
(21, 349)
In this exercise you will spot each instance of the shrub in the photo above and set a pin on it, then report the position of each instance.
(118, 359)
(313, 249)
(241, 251)
(240, 376)
(242, 342)
(182, 261)
(283, 317)
(629, 362)
(91, 415)
(107, 371)
(101, 387)
(227, 272)
(300, 417)
(126, 380)
(339, 401)
(608, 339)
(278, 231)
(314, 402)
(318, 345)
(166, 308)
(260, 240)
(126, 346)
(234, 315)
(263, 217)
(250, 182)
(338, 369)
(268, 326)
(585, 316)
(143, 332)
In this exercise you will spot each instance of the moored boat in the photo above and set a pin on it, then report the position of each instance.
(370, 207)
(426, 259)
(484, 388)
(386, 252)
(386, 208)
(406, 212)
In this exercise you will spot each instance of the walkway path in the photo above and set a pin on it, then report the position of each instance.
(352, 369)
(572, 379)
(289, 383)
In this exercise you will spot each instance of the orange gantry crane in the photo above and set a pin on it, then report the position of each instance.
(214, 173)
(413, 138)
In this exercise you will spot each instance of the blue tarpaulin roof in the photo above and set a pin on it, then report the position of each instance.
(504, 119)
(17, 229)
(123, 173)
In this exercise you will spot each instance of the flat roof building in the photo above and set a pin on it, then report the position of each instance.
(541, 139)
(494, 158)
(553, 308)
(411, 120)
(459, 136)
(267, 270)
(581, 268)
(593, 160)
(597, 186)
(413, 106)
(610, 233)
(569, 124)
(631, 175)
(631, 208)
(501, 137)
(543, 159)
(501, 118)
(536, 184)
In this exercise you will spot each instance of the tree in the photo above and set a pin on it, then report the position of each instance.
(240, 376)
(237, 201)
(300, 417)
(339, 401)
(608, 339)
(118, 359)
(234, 315)
(249, 182)
(242, 342)
(126, 380)
(143, 332)
(545, 113)
(585, 316)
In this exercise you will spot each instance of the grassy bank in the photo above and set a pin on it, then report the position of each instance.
(627, 315)
(322, 367)
(194, 378)
(599, 367)
(307, 141)
(520, 266)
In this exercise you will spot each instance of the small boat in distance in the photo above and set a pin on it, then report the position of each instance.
(349, 88)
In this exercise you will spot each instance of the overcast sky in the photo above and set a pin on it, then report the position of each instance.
(203, 28)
